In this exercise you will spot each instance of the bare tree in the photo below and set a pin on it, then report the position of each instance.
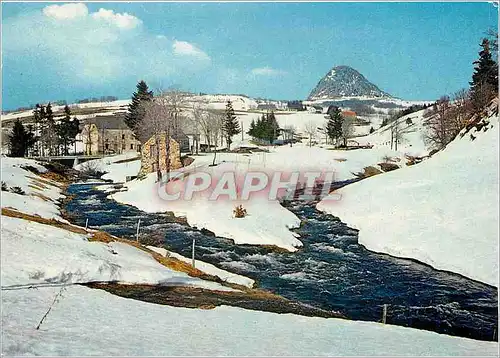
(347, 129)
(310, 129)
(156, 121)
(396, 134)
(439, 134)
(198, 121)
(462, 110)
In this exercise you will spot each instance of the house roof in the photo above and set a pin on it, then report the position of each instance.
(109, 122)
(349, 113)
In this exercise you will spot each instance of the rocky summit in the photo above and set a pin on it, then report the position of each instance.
(345, 81)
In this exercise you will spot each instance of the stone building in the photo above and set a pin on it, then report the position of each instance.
(149, 155)
(107, 135)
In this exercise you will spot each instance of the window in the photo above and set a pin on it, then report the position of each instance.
(123, 146)
(107, 146)
(152, 150)
(123, 138)
(131, 146)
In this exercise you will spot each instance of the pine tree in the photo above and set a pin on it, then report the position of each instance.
(334, 125)
(135, 112)
(49, 134)
(484, 85)
(251, 130)
(67, 130)
(231, 125)
(20, 140)
(272, 127)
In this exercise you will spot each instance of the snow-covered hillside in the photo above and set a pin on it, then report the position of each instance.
(38, 253)
(412, 132)
(443, 211)
(41, 194)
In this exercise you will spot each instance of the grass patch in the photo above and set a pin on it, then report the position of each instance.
(36, 218)
(56, 177)
(41, 196)
(367, 172)
(45, 182)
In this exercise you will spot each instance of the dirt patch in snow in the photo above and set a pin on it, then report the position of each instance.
(191, 297)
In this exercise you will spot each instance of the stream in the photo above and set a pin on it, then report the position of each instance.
(331, 272)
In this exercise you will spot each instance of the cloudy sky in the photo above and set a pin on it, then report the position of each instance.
(55, 51)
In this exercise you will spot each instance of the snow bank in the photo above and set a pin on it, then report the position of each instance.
(443, 211)
(41, 194)
(208, 268)
(34, 253)
(117, 172)
(87, 322)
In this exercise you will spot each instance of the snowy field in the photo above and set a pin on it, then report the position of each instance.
(443, 211)
(94, 322)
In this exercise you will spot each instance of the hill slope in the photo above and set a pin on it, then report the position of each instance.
(441, 212)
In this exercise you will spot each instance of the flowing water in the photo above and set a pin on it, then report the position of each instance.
(332, 271)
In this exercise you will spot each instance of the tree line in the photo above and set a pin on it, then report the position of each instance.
(46, 136)
(265, 128)
(170, 114)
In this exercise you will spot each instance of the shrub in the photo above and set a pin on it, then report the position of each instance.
(90, 169)
(367, 172)
(17, 190)
(239, 212)
(387, 167)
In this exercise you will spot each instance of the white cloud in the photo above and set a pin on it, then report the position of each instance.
(66, 11)
(124, 21)
(267, 71)
(183, 48)
(99, 48)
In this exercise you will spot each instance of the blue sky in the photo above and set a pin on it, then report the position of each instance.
(275, 50)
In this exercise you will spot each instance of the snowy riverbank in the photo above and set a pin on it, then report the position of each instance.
(443, 212)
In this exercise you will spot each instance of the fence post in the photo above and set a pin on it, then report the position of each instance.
(192, 254)
(86, 223)
(137, 233)
(384, 314)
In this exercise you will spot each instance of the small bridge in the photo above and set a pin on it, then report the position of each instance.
(70, 160)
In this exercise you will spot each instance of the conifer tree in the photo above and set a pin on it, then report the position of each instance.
(334, 125)
(136, 111)
(67, 130)
(484, 85)
(20, 140)
(231, 125)
(49, 133)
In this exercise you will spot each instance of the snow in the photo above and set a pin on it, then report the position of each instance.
(13, 175)
(208, 268)
(117, 172)
(442, 211)
(88, 322)
(34, 254)
(412, 135)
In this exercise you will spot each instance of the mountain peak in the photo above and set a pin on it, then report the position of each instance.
(345, 81)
